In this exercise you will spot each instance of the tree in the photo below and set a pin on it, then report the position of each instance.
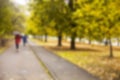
(50, 15)
(38, 22)
(72, 23)
(7, 19)
(101, 21)
(59, 10)
(110, 19)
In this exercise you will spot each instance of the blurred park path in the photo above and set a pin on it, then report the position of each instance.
(60, 68)
(33, 62)
(22, 65)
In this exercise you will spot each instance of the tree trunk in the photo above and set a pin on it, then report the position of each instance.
(106, 42)
(2, 42)
(71, 5)
(60, 40)
(73, 42)
(73, 36)
(111, 49)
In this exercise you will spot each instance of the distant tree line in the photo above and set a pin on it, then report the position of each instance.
(90, 19)
(10, 20)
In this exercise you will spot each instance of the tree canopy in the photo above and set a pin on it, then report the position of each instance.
(90, 19)
(8, 17)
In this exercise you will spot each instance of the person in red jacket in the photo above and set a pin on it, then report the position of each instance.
(17, 41)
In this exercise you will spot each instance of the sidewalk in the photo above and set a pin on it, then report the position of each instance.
(60, 68)
(22, 65)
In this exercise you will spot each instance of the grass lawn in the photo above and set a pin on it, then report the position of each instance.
(2, 49)
(92, 58)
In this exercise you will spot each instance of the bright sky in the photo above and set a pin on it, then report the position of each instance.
(21, 2)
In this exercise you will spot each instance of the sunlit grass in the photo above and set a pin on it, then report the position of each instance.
(94, 59)
(97, 64)
(1, 50)
(5, 47)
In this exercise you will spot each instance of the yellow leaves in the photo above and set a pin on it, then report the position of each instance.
(94, 62)
(106, 69)
(96, 13)
(87, 8)
(112, 5)
(31, 27)
(79, 13)
(52, 23)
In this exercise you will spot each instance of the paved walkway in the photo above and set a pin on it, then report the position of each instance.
(60, 68)
(35, 63)
(22, 65)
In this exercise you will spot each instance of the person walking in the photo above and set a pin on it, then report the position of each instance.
(24, 37)
(17, 41)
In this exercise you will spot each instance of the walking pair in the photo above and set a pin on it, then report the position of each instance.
(18, 38)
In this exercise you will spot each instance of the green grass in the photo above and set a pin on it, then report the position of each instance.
(94, 59)
(97, 64)
(2, 49)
